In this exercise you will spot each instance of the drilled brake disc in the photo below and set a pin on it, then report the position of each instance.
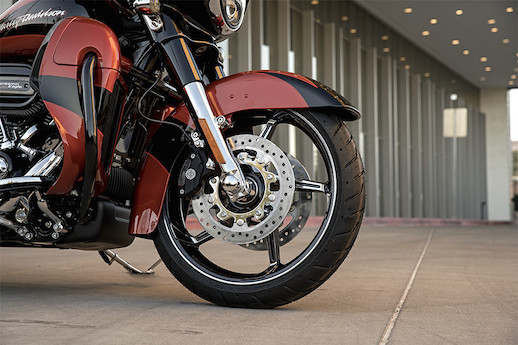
(299, 211)
(268, 169)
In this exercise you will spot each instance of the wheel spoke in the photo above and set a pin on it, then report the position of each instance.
(272, 241)
(268, 129)
(311, 186)
(202, 238)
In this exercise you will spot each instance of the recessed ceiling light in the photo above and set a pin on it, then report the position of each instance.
(425, 33)
(509, 10)
(386, 50)
(427, 75)
(513, 76)
(402, 58)
(515, 69)
(459, 12)
(408, 10)
(487, 69)
(483, 59)
(491, 21)
(494, 29)
(482, 78)
(511, 82)
(407, 66)
(384, 38)
(314, 2)
(345, 18)
(465, 52)
(455, 42)
(506, 40)
(433, 21)
(353, 31)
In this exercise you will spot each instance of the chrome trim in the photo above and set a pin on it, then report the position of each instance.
(153, 22)
(28, 134)
(198, 99)
(14, 181)
(45, 166)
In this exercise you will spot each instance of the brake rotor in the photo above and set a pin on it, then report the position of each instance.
(268, 170)
(299, 210)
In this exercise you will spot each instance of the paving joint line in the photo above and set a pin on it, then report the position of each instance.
(392, 322)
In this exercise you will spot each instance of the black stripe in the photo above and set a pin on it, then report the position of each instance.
(315, 97)
(61, 91)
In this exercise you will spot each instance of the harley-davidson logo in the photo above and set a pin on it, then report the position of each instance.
(14, 23)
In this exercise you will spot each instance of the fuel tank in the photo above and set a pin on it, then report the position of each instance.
(24, 25)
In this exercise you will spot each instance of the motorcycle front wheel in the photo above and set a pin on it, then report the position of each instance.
(294, 235)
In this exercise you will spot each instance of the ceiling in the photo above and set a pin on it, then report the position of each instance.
(486, 31)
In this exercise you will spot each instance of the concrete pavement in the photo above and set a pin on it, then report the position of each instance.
(465, 292)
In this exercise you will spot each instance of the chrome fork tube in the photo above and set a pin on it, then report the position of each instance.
(203, 112)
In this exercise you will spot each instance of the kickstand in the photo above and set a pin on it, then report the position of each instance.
(109, 257)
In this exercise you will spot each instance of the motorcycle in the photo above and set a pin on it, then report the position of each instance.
(117, 121)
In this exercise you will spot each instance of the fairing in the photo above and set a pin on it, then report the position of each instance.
(55, 76)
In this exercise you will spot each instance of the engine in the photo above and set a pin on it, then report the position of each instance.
(31, 152)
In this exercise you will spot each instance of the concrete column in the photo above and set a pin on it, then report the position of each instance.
(386, 132)
(417, 146)
(493, 102)
(428, 148)
(283, 34)
(355, 93)
(240, 47)
(257, 14)
(404, 144)
(441, 203)
(373, 207)
(330, 71)
(395, 99)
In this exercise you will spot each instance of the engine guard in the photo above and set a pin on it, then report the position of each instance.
(230, 96)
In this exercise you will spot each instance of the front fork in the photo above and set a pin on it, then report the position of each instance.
(181, 65)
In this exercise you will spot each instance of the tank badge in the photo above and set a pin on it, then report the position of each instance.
(14, 23)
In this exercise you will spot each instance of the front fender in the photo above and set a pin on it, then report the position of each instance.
(257, 90)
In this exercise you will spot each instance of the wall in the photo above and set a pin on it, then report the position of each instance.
(412, 169)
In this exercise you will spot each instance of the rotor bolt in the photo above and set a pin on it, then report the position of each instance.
(240, 222)
(242, 156)
(269, 177)
(271, 197)
(223, 214)
(211, 200)
(260, 160)
(258, 213)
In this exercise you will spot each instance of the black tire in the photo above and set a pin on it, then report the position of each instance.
(315, 263)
